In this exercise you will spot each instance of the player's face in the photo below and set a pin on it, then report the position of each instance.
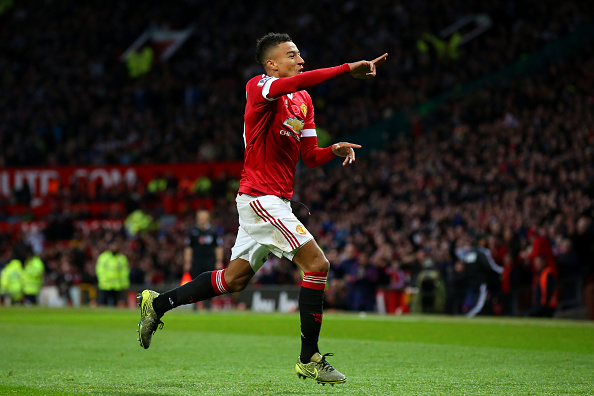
(287, 60)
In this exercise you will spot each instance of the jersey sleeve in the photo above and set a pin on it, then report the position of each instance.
(256, 90)
(313, 155)
(276, 87)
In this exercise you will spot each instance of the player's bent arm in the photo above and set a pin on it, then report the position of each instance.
(305, 80)
(313, 155)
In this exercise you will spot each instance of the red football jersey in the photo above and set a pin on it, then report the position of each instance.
(279, 129)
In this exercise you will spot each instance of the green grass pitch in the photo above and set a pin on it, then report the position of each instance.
(94, 351)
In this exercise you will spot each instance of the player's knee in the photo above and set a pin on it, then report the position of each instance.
(321, 264)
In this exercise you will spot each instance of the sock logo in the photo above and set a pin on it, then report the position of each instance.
(171, 301)
(317, 316)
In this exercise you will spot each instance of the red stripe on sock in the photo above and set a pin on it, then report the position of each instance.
(314, 280)
(227, 290)
(217, 280)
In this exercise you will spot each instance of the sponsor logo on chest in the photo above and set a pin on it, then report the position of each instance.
(293, 122)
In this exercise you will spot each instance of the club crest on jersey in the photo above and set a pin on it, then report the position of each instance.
(300, 230)
(304, 109)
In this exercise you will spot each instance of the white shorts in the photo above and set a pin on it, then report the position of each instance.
(267, 225)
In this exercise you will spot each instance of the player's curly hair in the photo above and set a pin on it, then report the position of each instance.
(268, 41)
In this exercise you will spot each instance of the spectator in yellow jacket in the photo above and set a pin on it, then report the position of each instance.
(11, 277)
(32, 278)
(113, 275)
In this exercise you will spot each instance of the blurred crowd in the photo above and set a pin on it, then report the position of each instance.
(513, 164)
(67, 99)
(510, 167)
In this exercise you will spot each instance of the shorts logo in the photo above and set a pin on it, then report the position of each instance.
(301, 230)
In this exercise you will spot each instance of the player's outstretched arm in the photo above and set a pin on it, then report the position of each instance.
(308, 79)
(367, 69)
(344, 149)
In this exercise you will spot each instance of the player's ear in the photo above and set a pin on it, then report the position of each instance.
(271, 64)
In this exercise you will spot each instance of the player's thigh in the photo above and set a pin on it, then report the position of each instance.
(310, 258)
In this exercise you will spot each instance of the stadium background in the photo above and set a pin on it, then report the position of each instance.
(494, 138)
